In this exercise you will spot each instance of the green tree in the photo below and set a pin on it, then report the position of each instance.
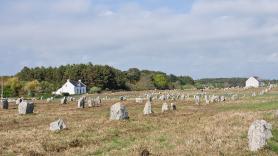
(15, 85)
(32, 87)
(46, 87)
(133, 75)
(161, 81)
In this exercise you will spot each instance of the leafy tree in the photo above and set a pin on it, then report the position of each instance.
(133, 75)
(145, 83)
(161, 81)
(173, 78)
(15, 85)
(185, 80)
(104, 77)
(32, 87)
(46, 87)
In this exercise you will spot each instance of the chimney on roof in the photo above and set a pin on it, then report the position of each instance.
(68, 80)
(79, 81)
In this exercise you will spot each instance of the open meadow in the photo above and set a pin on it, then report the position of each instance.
(213, 129)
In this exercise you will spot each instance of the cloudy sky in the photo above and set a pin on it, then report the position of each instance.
(200, 38)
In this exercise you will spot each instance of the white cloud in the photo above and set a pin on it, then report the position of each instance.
(71, 6)
(216, 35)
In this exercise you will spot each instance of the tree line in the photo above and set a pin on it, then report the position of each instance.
(40, 80)
(45, 80)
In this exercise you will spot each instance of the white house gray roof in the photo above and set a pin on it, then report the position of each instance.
(258, 79)
(77, 83)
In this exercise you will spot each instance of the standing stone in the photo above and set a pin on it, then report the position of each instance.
(4, 104)
(207, 99)
(258, 134)
(122, 98)
(71, 99)
(81, 102)
(173, 107)
(90, 102)
(149, 98)
(26, 107)
(18, 101)
(148, 108)
(197, 99)
(165, 107)
(48, 100)
(97, 102)
(214, 98)
(57, 125)
(182, 97)
(222, 98)
(64, 100)
(118, 111)
(162, 98)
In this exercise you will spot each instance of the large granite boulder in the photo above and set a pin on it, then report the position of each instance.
(90, 102)
(26, 107)
(173, 107)
(207, 99)
(258, 134)
(81, 102)
(64, 100)
(215, 99)
(222, 98)
(4, 104)
(197, 99)
(48, 100)
(57, 125)
(165, 107)
(148, 108)
(18, 101)
(118, 111)
(97, 102)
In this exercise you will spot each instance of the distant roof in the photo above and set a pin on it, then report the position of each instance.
(257, 78)
(77, 83)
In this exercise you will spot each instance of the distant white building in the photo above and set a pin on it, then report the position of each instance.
(72, 87)
(254, 82)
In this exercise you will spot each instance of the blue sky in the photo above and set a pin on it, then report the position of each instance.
(200, 38)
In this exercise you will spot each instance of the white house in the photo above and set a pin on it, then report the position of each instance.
(254, 82)
(72, 87)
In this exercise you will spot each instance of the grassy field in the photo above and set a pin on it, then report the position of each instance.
(215, 129)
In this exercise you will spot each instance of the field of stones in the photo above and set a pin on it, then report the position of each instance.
(177, 122)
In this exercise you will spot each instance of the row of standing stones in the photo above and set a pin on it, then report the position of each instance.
(258, 133)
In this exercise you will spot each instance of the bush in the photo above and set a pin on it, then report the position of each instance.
(95, 90)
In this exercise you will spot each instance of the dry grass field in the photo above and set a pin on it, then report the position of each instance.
(214, 129)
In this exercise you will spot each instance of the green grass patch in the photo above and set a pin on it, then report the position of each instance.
(273, 142)
(250, 106)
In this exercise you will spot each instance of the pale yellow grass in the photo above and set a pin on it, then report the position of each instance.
(215, 129)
